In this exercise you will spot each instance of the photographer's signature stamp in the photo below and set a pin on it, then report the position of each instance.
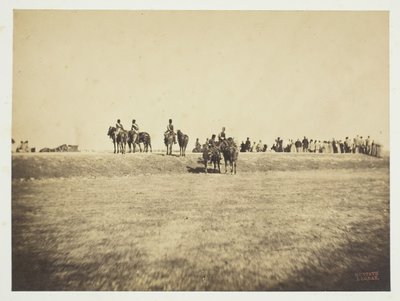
(367, 276)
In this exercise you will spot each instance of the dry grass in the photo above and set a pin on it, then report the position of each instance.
(292, 228)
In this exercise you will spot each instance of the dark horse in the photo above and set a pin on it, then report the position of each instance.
(213, 155)
(142, 137)
(230, 153)
(113, 137)
(122, 137)
(119, 140)
(169, 141)
(183, 142)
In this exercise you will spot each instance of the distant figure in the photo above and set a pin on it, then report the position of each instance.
(341, 146)
(242, 147)
(334, 148)
(355, 145)
(305, 144)
(347, 145)
(368, 145)
(259, 146)
(253, 148)
(292, 146)
(362, 145)
(197, 147)
(279, 145)
(265, 148)
(298, 145)
(318, 147)
(311, 146)
(248, 144)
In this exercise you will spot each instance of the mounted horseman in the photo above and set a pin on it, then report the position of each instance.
(230, 153)
(169, 137)
(135, 130)
(211, 153)
(135, 137)
(119, 137)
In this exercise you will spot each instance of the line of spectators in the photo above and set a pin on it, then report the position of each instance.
(356, 145)
(256, 147)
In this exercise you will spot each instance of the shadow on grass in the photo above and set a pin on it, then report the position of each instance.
(165, 155)
(198, 170)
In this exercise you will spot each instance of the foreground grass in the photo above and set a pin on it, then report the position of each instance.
(282, 230)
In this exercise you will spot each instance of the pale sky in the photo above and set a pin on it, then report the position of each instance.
(261, 74)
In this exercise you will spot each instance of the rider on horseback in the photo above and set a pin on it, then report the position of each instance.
(118, 127)
(135, 129)
(222, 135)
(211, 142)
(170, 130)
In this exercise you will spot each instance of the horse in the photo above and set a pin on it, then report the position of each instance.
(212, 155)
(183, 142)
(142, 137)
(122, 137)
(230, 153)
(169, 141)
(111, 134)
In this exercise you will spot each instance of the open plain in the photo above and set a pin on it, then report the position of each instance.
(99, 221)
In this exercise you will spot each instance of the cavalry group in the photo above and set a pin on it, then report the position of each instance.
(213, 151)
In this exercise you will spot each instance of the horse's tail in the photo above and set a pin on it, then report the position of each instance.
(151, 150)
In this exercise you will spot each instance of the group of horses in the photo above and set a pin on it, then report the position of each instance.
(211, 154)
(122, 138)
(229, 152)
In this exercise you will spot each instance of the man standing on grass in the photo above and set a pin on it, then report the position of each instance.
(368, 145)
(305, 144)
(298, 145)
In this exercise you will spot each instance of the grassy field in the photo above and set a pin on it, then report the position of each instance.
(98, 221)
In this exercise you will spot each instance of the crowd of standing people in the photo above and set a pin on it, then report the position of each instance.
(356, 145)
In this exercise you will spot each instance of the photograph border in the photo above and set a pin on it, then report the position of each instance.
(6, 23)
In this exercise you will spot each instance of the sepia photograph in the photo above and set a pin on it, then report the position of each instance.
(200, 150)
